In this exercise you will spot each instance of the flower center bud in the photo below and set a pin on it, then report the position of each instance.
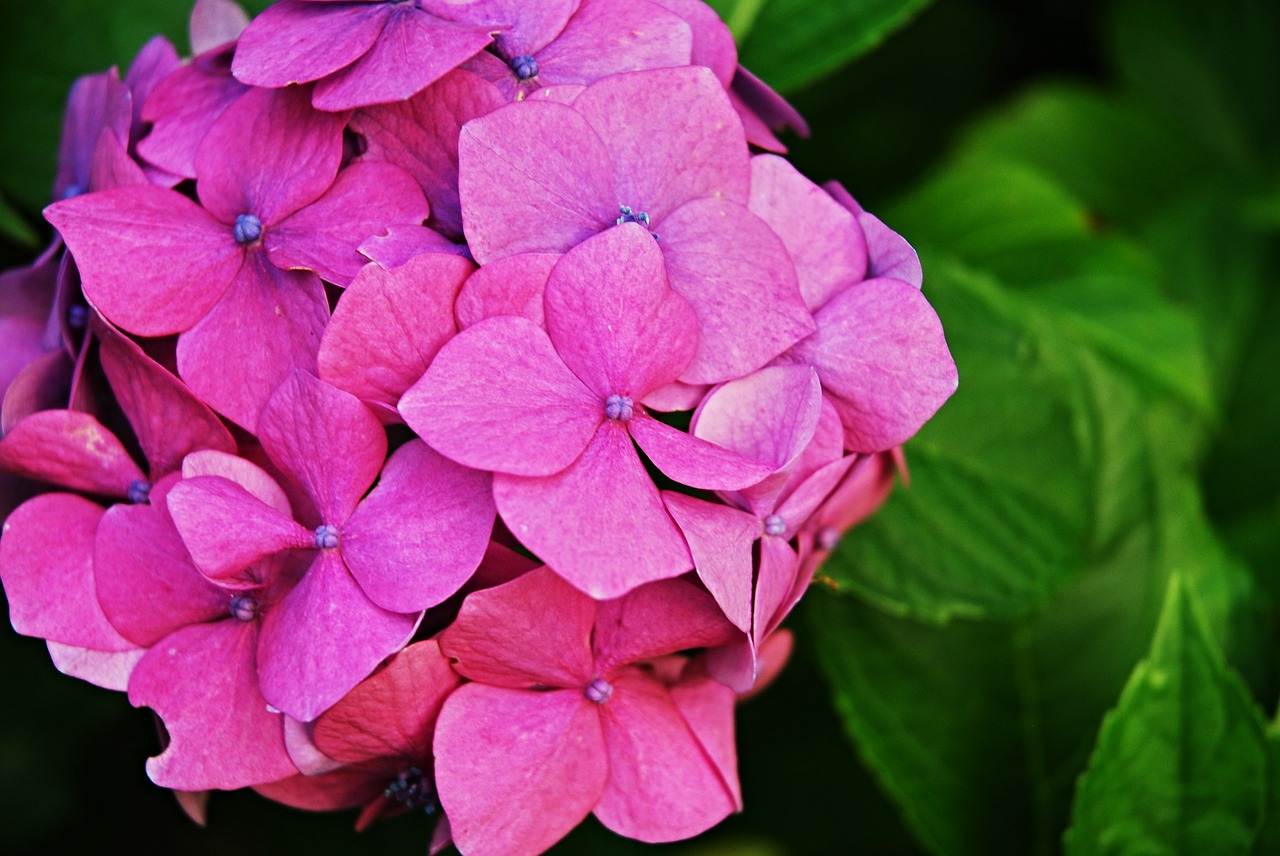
(774, 525)
(248, 229)
(138, 492)
(327, 537)
(598, 691)
(413, 790)
(524, 66)
(619, 408)
(629, 216)
(77, 316)
(244, 607)
(828, 538)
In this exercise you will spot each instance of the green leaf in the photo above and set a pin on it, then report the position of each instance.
(14, 227)
(1180, 766)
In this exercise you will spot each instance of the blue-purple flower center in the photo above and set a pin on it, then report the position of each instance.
(774, 525)
(524, 66)
(619, 408)
(248, 229)
(413, 790)
(73, 190)
(599, 691)
(626, 215)
(138, 492)
(327, 537)
(244, 607)
(77, 316)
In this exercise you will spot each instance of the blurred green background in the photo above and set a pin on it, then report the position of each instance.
(1095, 191)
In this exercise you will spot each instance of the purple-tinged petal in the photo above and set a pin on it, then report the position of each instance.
(325, 235)
(151, 260)
(533, 631)
(497, 397)
(201, 681)
(655, 620)
(889, 254)
(325, 440)
(227, 529)
(107, 669)
(517, 770)
(422, 532)
(738, 277)
(706, 706)
(420, 135)
(96, 102)
(46, 562)
(72, 450)
(880, 352)
(696, 462)
(521, 27)
(823, 238)
(613, 318)
(389, 325)
(42, 384)
(662, 785)
(768, 105)
(532, 178)
(806, 496)
(323, 638)
(734, 664)
(303, 751)
(167, 418)
(144, 578)
(600, 523)
(268, 155)
(214, 23)
(112, 166)
(756, 131)
(247, 474)
(155, 61)
(267, 324)
(675, 396)
(398, 245)
(509, 286)
(23, 339)
(609, 37)
(183, 107)
(712, 41)
(720, 539)
(414, 50)
(294, 41)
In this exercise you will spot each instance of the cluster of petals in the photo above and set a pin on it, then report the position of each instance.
(437, 406)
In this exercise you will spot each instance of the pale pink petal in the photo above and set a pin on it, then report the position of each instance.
(201, 682)
(296, 41)
(662, 785)
(497, 397)
(707, 706)
(532, 631)
(183, 107)
(107, 669)
(720, 539)
(675, 396)
(600, 523)
(889, 255)
(247, 474)
(770, 415)
(695, 462)
(609, 37)
(214, 23)
(517, 770)
(72, 450)
(422, 532)
(509, 286)
(309, 760)
(734, 664)
(227, 529)
(655, 620)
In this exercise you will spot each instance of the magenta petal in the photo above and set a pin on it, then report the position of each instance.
(398, 245)
(517, 770)
(769, 415)
(296, 41)
(735, 664)
(707, 707)
(741, 282)
(203, 684)
(46, 562)
(227, 529)
(112, 166)
(880, 352)
(181, 109)
(772, 109)
(662, 786)
(712, 41)
(362, 203)
(422, 532)
(248, 475)
(389, 325)
(267, 324)
(214, 23)
(43, 384)
(69, 449)
(523, 198)
(151, 260)
(521, 27)
(655, 620)
(268, 154)
(509, 286)
(609, 37)
(800, 504)
(720, 539)
(889, 253)
(532, 631)
(107, 669)
(325, 440)
(696, 462)
(323, 639)
(497, 397)
(23, 339)
(600, 523)
(779, 567)
(613, 318)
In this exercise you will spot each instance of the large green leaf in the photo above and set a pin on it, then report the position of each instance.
(1181, 763)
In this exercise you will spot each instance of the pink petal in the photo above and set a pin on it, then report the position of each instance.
(600, 523)
(420, 135)
(182, 108)
(707, 707)
(712, 41)
(155, 61)
(227, 529)
(517, 770)
(422, 532)
(497, 397)
(769, 415)
(675, 396)
(389, 325)
(509, 286)
(23, 344)
(695, 462)
(522, 27)
(772, 659)
(800, 504)
(202, 683)
(889, 255)
(112, 166)
(214, 23)
(362, 203)
(522, 196)
(343, 787)
(532, 631)
(151, 260)
(96, 102)
(325, 440)
(248, 475)
(771, 107)
(43, 384)
(267, 324)
(655, 620)
(107, 669)
(323, 639)
(613, 318)
(69, 449)
(609, 37)
(775, 584)
(295, 41)
(720, 539)
(398, 245)
(880, 352)
(662, 786)
(741, 282)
